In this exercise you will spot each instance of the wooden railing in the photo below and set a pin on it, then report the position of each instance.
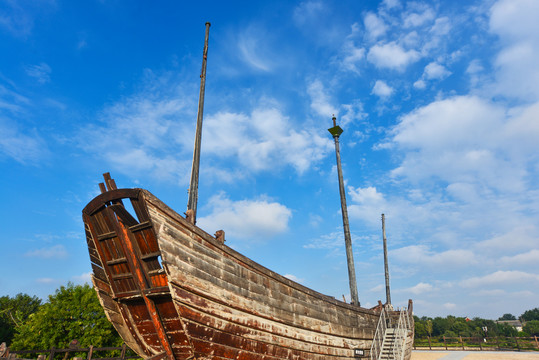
(497, 343)
(73, 352)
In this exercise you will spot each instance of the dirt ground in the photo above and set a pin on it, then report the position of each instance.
(473, 355)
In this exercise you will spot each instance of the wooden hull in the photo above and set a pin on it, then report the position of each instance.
(174, 291)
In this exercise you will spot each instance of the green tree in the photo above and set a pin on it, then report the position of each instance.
(73, 312)
(419, 330)
(508, 317)
(506, 330)
(440, 325)
(532, 328)
(530, 315)
(13, 313)
(428, 327)
(460, 327)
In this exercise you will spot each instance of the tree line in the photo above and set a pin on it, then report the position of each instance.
(72, 312)
(452, 326)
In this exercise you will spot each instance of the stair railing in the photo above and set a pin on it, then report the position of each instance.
(378, 340)
(401, 332)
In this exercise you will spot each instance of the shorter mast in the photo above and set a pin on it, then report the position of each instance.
(388, 295)
(193, 186)
(336, 131)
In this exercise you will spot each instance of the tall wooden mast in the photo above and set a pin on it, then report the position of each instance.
(336, 131)
(386, 266)
(193, 187)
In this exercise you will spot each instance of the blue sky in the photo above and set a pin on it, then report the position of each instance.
(439, 103)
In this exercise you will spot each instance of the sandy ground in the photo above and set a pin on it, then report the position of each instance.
(474, 355)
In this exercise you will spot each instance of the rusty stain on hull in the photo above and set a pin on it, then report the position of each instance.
(173, 291)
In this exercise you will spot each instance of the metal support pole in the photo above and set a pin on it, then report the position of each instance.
(386, 266)
(336, 131)
(193, 187)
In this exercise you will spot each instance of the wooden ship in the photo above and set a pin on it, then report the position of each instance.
(175, 292)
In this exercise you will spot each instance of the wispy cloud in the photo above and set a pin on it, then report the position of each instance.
(263, 140)
(40, 72)
(500, 278)
(320, 99)
(254, 50)
(375, 26)
(517, 73)
(54, 252)
(144, 132)
(85, 278)
(18, 17)
(417, 14)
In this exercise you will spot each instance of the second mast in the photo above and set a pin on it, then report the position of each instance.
(336, 131)
(193, 186)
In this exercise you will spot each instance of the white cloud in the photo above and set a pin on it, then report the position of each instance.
(352, 57)
(517, 73)
(246, 219)
(500, 278)
(85, 278)
(528, 258)
(375, 26)
(365, 195)
(420, 84)
(53, 252)
(475, 67)
(264, 140)
(320, 100)
(419, 15)
(390, 4)
(152, 132)
(392, 56)
(521, 236)
(294, 278)
(442, 26)
(515, 19)
(421, 254)
(435, 71)
(421, 288)
(460, 139)
(381, 89)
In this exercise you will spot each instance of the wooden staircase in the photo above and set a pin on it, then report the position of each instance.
(394, 336)
(388, 346)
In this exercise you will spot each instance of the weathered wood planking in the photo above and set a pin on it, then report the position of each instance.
(174, 291)
(217, 288)
(130, 282)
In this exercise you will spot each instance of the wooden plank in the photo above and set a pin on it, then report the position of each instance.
(216, 315)
(292, 305)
